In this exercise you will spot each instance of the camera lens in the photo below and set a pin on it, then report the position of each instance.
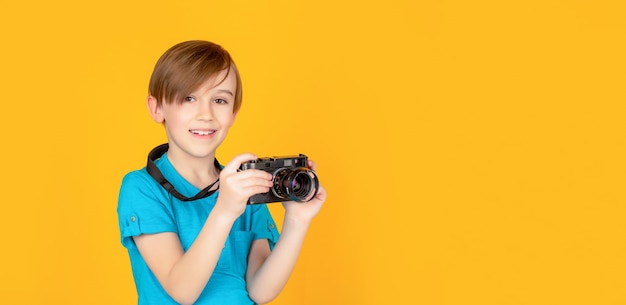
(300, 184)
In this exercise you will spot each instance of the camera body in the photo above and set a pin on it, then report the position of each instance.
(293, 180)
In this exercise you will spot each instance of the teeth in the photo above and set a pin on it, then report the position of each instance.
(202, 132)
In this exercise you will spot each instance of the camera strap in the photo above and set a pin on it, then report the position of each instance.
(154, 171)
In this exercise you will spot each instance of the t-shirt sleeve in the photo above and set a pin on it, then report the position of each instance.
(142, 208)
(263, 225)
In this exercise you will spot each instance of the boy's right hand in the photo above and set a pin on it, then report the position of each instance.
(236, 187)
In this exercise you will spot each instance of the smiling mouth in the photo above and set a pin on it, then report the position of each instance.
(202, 132)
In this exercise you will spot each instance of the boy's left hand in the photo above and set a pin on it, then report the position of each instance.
(306, 211)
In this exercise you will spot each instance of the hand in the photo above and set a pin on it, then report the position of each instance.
(305, 211)
(237, 186)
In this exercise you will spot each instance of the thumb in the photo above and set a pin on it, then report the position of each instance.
(235, 163)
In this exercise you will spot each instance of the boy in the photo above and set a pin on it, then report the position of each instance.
(187, 242)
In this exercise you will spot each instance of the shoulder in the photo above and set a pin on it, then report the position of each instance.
(138, 186)
(136, 181)
(143, 207)
(140, 175)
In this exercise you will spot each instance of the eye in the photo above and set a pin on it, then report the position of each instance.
(220, 101)
(190, 99)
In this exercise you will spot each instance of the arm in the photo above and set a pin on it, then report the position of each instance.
(184, 275)
(267, 272)
(266, 282)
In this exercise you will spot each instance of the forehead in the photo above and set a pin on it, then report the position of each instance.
(223, 80)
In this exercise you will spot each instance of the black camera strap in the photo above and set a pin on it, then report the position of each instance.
(154, 171)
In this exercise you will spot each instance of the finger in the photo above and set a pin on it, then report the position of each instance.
(249, 188)
(255, 173)
(258, 190)
(321, 193)
(235, 163)
(252, 177)
(311, 164)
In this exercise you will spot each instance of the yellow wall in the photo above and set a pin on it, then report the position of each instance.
(473, 151)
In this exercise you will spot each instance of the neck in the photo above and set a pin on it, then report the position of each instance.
(199, 171)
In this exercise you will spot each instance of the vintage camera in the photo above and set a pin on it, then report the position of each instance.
(293, 180)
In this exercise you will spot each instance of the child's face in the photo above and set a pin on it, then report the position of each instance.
(199, 125)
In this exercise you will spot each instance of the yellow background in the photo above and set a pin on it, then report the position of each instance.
(473, 151)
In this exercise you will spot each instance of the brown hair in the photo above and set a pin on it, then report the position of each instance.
(186, 66)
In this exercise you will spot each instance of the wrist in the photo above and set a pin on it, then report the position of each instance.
(221, 213)
(294, 220)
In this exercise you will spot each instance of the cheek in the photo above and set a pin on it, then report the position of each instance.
(176, 116)
(231, 120)
(227, 118)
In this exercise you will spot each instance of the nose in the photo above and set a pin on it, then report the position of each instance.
(205, 112)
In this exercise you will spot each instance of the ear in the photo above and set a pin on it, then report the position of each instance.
(155, 110)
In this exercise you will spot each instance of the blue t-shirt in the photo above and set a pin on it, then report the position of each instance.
(145, 207)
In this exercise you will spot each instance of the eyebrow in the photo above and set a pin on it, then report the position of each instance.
(226, 91)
